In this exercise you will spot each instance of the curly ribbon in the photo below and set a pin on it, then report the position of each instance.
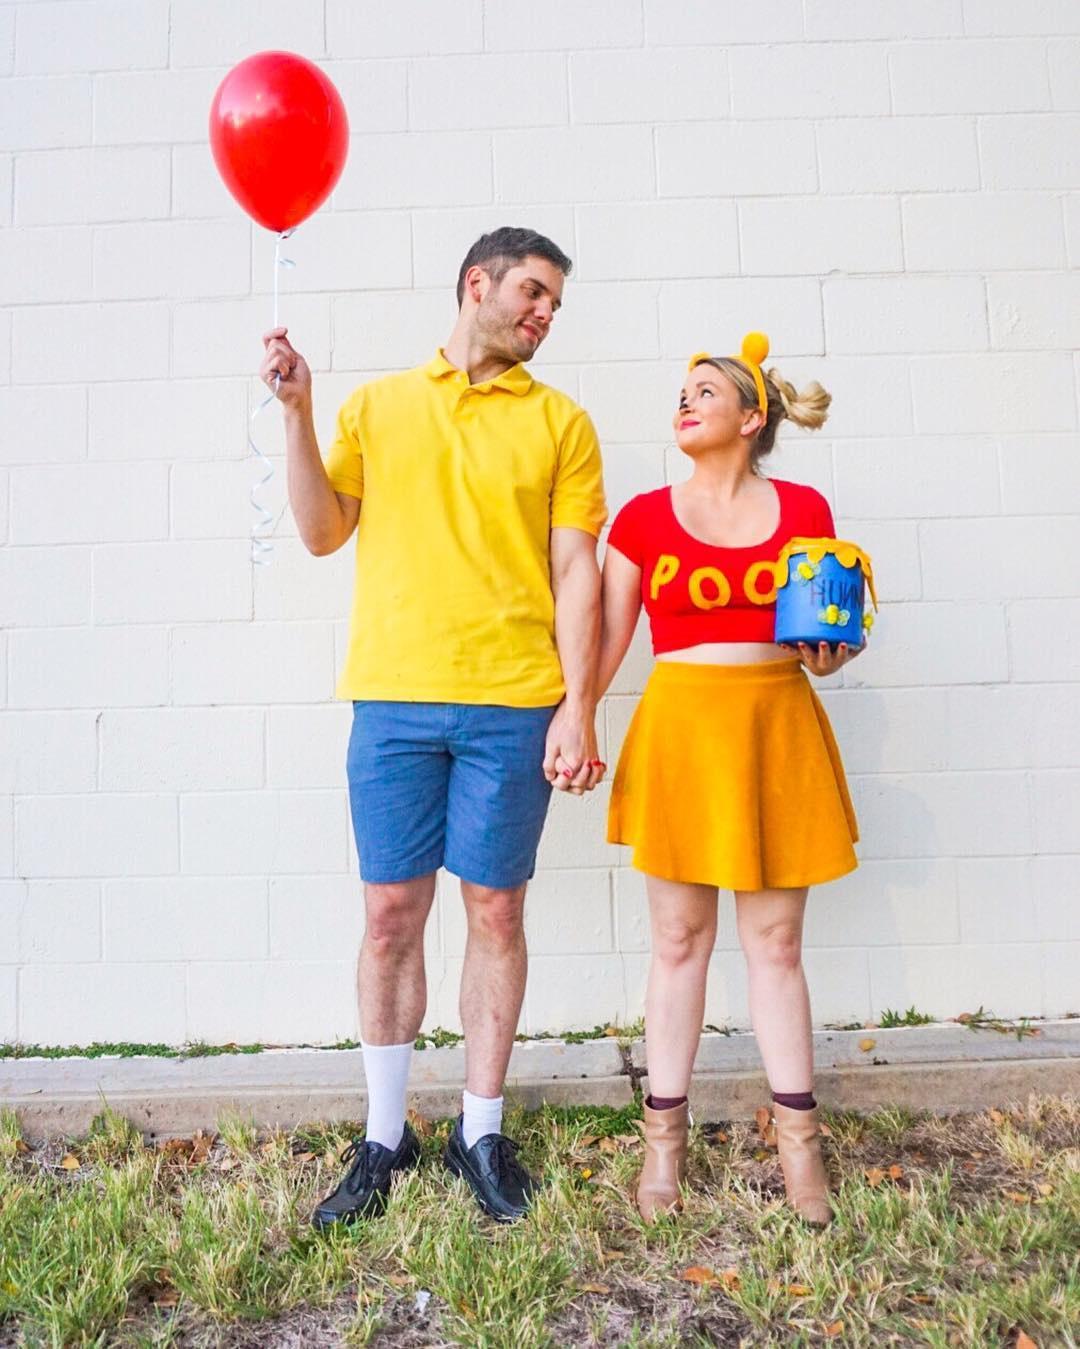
(261, 547)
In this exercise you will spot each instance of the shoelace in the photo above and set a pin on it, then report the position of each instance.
(506, 1164)
(358, 1176)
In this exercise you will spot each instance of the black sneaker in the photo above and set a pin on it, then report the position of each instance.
(490, 1168)
(366, 1187)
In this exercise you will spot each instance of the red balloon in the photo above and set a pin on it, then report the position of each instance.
(279, 135)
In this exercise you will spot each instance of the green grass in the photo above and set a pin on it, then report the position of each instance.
(123, 1050)
(107, 1241)
(438, 1038)
(890, 1019)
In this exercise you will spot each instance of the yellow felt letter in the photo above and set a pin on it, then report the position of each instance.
(664, 571)
(753, 594)
(717, 577)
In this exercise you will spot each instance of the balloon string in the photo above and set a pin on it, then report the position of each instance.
(261, 547)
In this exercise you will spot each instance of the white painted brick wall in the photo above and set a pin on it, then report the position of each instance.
(891, 190)
(87, 185)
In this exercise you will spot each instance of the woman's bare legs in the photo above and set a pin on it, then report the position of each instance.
(683, 922)
(770, 930)
(770, 924)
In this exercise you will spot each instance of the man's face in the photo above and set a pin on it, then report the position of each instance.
(514, 316)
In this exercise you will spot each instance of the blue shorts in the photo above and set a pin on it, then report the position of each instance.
(448, 784)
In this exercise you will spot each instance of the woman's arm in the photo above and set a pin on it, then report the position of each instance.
(621, 605)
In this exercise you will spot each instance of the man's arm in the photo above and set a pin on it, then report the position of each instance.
(325, 518)
(570, 759)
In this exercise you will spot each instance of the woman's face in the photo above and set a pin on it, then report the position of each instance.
(710, 414)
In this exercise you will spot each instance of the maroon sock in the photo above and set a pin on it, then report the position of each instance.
(664, 1102)
(795, 1100)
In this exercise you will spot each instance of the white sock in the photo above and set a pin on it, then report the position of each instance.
(482, 1115)
(386, 1068)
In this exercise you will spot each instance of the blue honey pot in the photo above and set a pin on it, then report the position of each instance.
(821, 593)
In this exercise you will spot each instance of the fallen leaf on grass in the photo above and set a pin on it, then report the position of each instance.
(165, 1297)
(201, 1143)
(874, 1175)
(1045, 1189)
(765, 1126)
(420, 1126)
(798, 1290)
(921, 1297)
(825, 1132)
(175, 1147)
(699, 1274)
(996, 1115)
(227, 1163)
(611, 1030)
(20, 1146)
(70, 1162)
(834, 1328)
(399, 1280)
(761, 1155)
(1025, 1341)
(1016, 1196)
(895, 1172)
(303, 1156)
(867, 1044)
(587, 1140)
(593, 1288)
(608, 1145)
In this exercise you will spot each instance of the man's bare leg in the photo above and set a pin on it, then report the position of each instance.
(392, 990)
(492, 983)
(391, 980)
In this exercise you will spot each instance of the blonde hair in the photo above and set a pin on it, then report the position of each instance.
(808, 409)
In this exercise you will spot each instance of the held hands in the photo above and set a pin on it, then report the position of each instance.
(281, 359)
(571, 761)
(823, 660)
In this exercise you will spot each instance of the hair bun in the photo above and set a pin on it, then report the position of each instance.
(755, 348)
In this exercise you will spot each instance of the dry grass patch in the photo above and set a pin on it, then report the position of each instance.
(950, 1232)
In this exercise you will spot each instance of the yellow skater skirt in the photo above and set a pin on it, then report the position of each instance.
(730, 776)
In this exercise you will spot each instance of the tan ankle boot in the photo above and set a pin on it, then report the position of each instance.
(798, 1140)
(666, 1136)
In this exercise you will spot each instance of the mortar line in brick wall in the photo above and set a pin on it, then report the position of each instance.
(953, 772)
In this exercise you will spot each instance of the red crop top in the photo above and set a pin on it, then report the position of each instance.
(697, 592)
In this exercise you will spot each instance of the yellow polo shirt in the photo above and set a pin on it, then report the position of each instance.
(461, 486)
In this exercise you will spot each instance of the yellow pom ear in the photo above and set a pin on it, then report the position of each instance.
(755, 347)
(697, 358)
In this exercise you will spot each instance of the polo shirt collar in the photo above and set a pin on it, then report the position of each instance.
(515, 380)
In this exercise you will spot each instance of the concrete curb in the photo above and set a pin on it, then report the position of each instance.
(943, 1068)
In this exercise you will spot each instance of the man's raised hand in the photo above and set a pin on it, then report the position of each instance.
(284, 370)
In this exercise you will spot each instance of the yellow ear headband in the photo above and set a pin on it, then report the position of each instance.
(755, 348)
